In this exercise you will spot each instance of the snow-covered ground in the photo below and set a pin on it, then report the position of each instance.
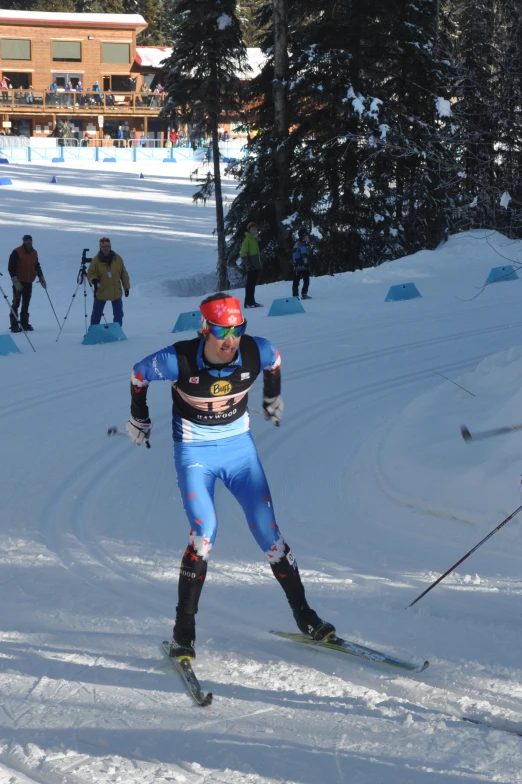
(374, 489)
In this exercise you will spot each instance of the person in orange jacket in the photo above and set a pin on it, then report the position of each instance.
(23, 268)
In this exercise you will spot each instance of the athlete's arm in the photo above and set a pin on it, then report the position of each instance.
(160, 366)
(271, 367)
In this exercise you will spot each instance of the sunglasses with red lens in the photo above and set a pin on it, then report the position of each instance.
(226, 332)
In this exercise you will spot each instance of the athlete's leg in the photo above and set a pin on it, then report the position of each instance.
(246, 480)
(196, 481)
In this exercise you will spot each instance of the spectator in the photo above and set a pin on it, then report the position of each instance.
(108, 275)
(23, 269)
(251, 261)
(173, 136)
(97, 99)
(145, 99)
(29, 96)
(143, 140)
(80, 99)
(301, 260)
(68, 97)
(225, 137)
(58, 133)
(120, 137)
(109, 98)
(4, 86)
(54, 93)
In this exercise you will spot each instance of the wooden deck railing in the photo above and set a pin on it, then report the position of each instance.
(71, 102)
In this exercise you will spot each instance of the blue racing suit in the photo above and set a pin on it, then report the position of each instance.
(212, 441)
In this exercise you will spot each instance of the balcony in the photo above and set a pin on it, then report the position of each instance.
(71, 102)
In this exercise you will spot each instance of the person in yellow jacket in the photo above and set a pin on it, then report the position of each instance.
(251, 261)
(107, 275)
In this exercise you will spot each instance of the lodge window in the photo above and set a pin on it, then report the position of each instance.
(63, 78)
(115, 53)
(16, 49)
(67, 51)
(19, 81)
(119, 83)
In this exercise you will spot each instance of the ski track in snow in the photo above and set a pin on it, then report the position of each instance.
(93, 529)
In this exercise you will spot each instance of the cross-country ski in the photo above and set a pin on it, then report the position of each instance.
(184, 668)
(354, 649)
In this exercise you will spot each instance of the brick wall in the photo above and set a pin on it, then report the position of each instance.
(41, 63)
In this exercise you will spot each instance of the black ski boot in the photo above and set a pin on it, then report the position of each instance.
(309, 623)
(183, 637)
(15, 326)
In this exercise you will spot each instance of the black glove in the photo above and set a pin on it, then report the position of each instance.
(126, 292)
(95, 283)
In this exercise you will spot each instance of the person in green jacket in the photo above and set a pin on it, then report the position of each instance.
(251, 259)
(107, 275)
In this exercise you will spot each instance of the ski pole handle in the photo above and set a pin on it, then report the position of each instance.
(113, 431)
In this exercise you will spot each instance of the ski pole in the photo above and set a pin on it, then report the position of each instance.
(497, 431)
(510, 517)
(4, 295)
(51, 304)
(453, 382)
(113, 431)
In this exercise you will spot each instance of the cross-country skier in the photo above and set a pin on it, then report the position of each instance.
(211, 376)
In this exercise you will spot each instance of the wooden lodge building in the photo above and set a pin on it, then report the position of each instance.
(86, 69)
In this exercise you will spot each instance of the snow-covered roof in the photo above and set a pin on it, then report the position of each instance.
(152, 56)
(256, 60)
(46, 17)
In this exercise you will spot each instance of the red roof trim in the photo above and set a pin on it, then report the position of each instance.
(87, 23)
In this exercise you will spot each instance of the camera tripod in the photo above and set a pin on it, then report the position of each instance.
(81, 279)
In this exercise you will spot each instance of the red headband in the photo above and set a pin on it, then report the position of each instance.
(225, 312)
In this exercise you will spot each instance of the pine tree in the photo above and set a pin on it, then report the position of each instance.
(203, 83)
(246, 12)
(131, 6)
(506, 117)
(57, 6)
(89, 6)
(371, 157)
(167, 21)
(151, 12)
(113, 6)
(475, 57)
(17, 5)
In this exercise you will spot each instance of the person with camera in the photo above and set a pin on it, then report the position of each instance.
(108, 276)
(23, 268)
